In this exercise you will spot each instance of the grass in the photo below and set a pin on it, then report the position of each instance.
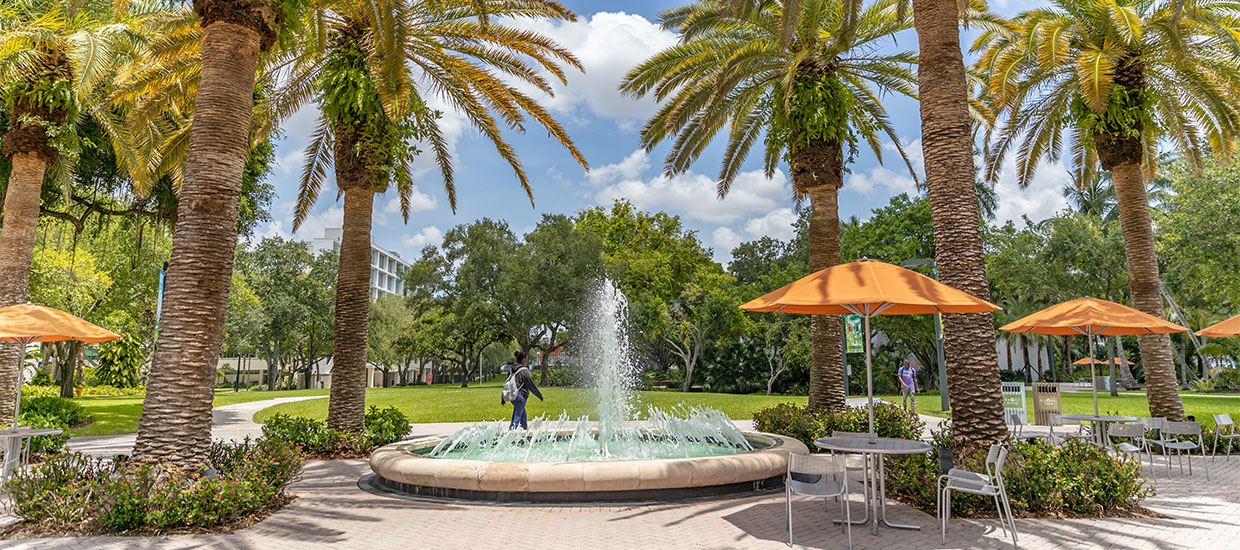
(1202, 407)
(450, 403)
(118, 415)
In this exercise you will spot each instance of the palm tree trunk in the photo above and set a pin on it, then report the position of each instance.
(21, 223)
(818, 170)
(175, 426)
(947, 145)
(1024, 351)
(347, 404)
(1143, 282)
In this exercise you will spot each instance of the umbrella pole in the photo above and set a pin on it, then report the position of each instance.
(1093, 376)
(21, 366)
(869, 379)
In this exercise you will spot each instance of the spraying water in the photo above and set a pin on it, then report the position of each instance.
(612, 371)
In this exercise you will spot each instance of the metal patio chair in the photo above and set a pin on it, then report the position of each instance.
(820, 476)
(1223, 421)
(988, 484)
(1132, 443)
(1193, 431)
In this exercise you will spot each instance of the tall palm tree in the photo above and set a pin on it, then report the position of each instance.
(1120, 76)
(947, 145)
(812, 93)
(175, 426)
(365, 74)
(55, 58)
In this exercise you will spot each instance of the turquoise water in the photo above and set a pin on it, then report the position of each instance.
(680, 434)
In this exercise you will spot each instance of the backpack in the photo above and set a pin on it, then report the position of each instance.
(512, 388)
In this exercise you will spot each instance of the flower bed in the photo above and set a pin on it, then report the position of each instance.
(74, 493)
(316, 440)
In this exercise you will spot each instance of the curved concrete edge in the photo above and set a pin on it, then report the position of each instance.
(400, 463)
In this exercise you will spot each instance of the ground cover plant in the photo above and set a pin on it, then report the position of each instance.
(76, 493)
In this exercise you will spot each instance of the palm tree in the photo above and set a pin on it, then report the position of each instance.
(947, 145)
(55, 57)
(364, 75)
(175, 426)
(1120, 76)
(812, 93)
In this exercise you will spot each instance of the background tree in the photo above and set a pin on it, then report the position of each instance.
(1119, 77)
(705, 309)
(813, 93)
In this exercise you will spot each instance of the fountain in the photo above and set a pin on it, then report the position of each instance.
(685, 452)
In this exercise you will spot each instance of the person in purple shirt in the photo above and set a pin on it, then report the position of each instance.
(907, 375)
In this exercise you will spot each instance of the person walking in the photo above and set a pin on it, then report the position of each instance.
(908, 385)
(524, 384)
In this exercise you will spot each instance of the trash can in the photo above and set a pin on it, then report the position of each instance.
(1046, 401)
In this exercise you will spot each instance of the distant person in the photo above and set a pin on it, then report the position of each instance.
(908, 386)
(517, 390)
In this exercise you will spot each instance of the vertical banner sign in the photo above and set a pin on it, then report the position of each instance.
(852, 334)
(159, 298)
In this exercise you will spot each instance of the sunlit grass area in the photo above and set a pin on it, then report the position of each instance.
(117, 415)
(452, 403)
(1203, 407)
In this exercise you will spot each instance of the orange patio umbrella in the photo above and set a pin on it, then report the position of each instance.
(28, 324)
(1222, 329)
(868, 288)
(1092, 317)
(1091, 360)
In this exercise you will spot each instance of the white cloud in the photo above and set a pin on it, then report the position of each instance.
(609, 45)
(725, 240)
(692, 195)
(777, 224)
(1039, 201)
(428, 236)
(892, 177)
(631, 167)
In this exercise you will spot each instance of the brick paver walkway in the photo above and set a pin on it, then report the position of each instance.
(332, 512)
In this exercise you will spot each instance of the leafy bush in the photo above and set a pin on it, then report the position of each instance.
(45, 444)
(796, 421)
(42, 378)
(120, 362)
(59, 408)
(316, 440)
(76, 491)
(1076, 478)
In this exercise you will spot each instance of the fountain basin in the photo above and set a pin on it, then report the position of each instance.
(404, 467)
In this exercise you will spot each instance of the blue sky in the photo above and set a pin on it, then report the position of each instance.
(610, 37)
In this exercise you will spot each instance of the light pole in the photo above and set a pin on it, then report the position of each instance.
(938, 333)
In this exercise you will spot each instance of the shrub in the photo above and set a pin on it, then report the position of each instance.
(75, 491)
(59, 408)
(120, 362)
(796, 421)
(87, 391)
(45, 444)
(316, 440)
(1076, 478)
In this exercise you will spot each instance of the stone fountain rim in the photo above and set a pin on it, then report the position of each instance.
(397, 465)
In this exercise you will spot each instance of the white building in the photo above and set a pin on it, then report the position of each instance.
(387, 269)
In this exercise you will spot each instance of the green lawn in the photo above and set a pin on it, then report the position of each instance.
(1202, 407)
(448, 403)
(117, 415)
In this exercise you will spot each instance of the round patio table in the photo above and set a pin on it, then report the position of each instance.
(874, 449)
(15, 445)
(1099, 422)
